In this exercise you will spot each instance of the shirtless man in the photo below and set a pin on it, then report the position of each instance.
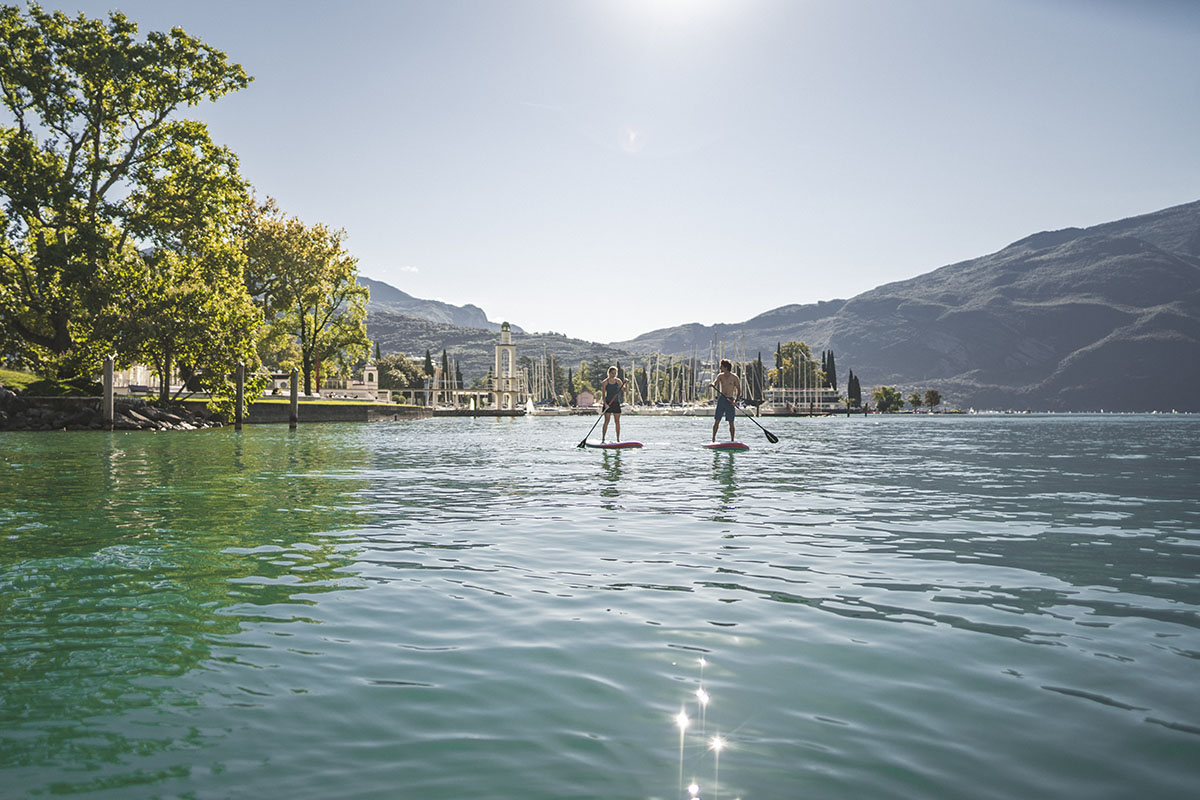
(729, 391)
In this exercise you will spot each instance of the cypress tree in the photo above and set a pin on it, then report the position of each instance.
(428, 363)
(831, 372)
(377, 355)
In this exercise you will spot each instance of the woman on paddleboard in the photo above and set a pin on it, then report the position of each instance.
(613, 388)
(729, 391)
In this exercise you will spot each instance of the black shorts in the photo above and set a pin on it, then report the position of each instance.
(613, 408)
(724, 408)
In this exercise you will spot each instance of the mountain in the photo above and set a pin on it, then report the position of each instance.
(475, 348)
(385, 297)
(1106, 317)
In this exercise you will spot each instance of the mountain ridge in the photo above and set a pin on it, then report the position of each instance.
(1040, 323)
(387, 298)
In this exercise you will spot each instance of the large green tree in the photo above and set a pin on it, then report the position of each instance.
(93, 113)
(397, 371)
(887, 399)
(182, 305)
(306, 283)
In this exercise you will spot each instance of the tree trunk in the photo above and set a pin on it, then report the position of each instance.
(164, 378)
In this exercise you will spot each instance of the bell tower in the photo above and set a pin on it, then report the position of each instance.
(506, 384)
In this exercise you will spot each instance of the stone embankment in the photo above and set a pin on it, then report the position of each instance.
(20, 413)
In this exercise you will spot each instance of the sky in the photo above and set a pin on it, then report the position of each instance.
(603, 168)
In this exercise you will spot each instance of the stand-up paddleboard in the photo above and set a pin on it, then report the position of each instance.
(727, 446)
(611, 445)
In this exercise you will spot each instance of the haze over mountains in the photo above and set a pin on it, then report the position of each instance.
(1106, 317)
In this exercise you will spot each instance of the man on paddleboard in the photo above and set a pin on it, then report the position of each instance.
(729, 391)
(613, 387)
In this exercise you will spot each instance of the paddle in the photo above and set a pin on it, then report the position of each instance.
(597, 422)
(772, 438)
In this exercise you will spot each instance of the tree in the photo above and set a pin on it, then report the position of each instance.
(582, 381)
(377, 354)
(853, 390)
(831, 372)
(795, 366)
(307, 285)
(887, 399)
(94, 120)
(428, 364)
(933, 398)
(915, 400)
(397, 371)
(181, 304)
(571, 386)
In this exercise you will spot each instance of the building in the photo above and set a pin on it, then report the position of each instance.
(366, 389)
(508, 387)
(804, 400)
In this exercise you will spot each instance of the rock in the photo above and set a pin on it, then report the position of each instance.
(136, 417)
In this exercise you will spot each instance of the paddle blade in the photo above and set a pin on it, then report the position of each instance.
(772, 438)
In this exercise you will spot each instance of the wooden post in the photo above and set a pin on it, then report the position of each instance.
(106, 402)
(240, 401)
(294, 414)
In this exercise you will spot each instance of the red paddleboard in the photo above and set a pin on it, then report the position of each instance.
(612, 445)
(727, 446)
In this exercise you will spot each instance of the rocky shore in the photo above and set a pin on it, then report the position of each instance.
(21, 413)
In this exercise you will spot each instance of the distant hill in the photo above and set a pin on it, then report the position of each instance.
(385, 297)
(475, 348)
(1106, 317)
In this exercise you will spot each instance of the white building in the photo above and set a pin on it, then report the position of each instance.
(784, 401)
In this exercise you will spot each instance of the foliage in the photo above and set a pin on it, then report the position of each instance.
(306, 284)
(182, 305)
(829, 368)
(94, 128)
(887, 399)
(794, 366)
(853, 390)
(933, 398)
(397, 371)
(915, 400)
(583, 381)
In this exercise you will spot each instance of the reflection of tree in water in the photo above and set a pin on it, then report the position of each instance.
(726, 480)
(612, 474)
(125, 558)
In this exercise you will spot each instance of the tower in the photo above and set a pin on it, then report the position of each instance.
(506, 384)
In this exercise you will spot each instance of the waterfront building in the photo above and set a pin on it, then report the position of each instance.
(508, 386)
(805, 400)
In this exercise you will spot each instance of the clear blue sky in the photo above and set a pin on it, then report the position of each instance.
(601, 168)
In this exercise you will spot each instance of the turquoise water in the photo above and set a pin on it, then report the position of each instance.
(949, 607)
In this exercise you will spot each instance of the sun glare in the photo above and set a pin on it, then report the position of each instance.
(681, 11)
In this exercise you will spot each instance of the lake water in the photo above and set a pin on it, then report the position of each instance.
(946, 607)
